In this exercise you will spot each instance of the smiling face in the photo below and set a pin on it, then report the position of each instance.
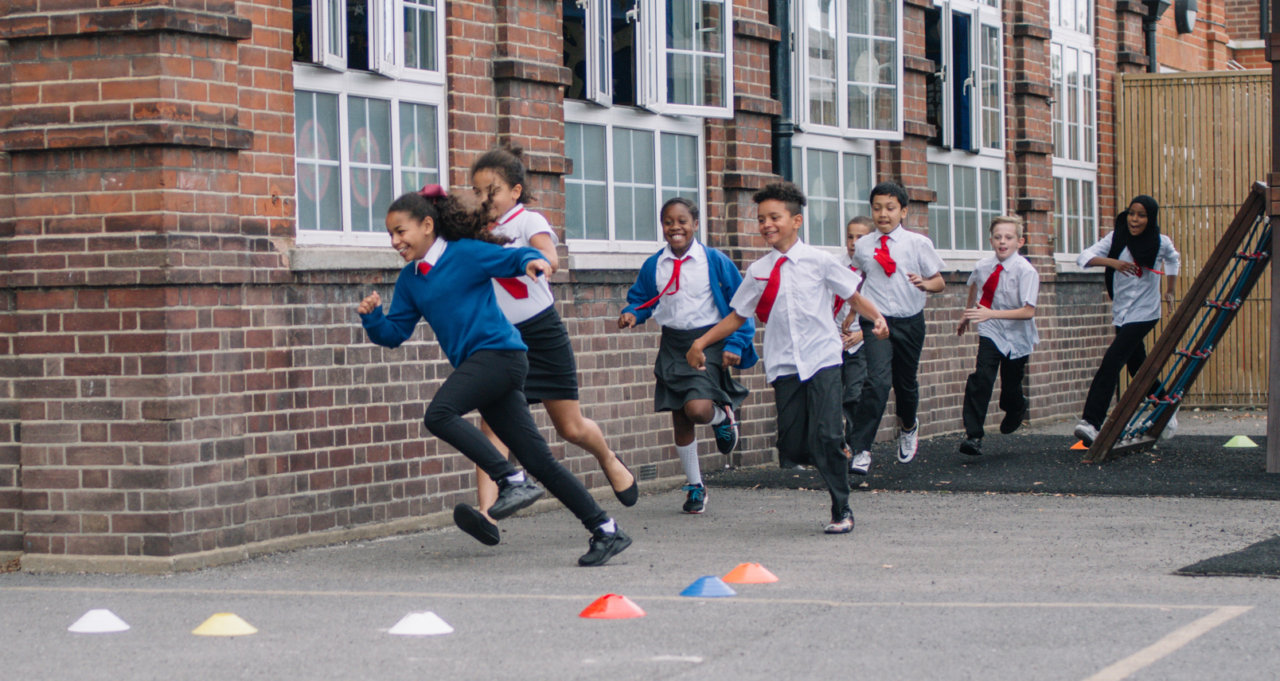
(778, 225)
(501, 196)
(409, 236)
(678, 228)
(1137, 218)
(887, 212)
(1005, 239)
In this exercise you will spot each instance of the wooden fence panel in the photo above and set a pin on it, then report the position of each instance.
(1197, 143)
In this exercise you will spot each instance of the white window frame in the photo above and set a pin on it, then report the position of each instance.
(386, 43)
(324, 30)
(982, 167)
(612, 252)
(1086, 226)
(385, 81)
(843, 83)
(850, 204)
(309, 78)
(1072, 23)
(984, 16)
(651, 52)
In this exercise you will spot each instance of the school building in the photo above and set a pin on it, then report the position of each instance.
(192, 196)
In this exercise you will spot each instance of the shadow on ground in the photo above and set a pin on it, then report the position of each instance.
(1190, 466)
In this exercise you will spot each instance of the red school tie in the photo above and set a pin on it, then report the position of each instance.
(839, 302)
(673, 284)
(882, 256)
(989, 288)
(765, 306)
(424, 267)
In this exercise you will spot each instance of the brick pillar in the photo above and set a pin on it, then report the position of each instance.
(1030, 121)
(128, 134)
(10, 494)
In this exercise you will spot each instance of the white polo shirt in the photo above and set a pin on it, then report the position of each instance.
(1018, 286)
(520, 224)
(801, 336)
(1135, 298)
(914, 254)
(691, 306)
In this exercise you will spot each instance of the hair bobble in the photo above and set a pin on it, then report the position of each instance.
(433, 191)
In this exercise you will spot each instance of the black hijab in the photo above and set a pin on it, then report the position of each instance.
(1144, 248)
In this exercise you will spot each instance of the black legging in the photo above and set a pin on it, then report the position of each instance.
(1126, 350)
(492, 381)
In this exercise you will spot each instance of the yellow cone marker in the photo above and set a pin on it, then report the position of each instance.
(224, 624)
(1240, 441)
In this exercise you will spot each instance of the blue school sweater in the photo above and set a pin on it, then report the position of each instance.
(456, 298)
(724, 283)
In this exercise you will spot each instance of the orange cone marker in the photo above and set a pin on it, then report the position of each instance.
(612, 607)
(1079, 445)
(750, 573)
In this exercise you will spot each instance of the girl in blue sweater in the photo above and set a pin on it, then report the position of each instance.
(697, 284)
(447, 282)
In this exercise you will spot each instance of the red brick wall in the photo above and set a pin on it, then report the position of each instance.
(182, 389)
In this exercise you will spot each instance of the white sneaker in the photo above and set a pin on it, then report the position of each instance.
(1170, 428)
(1086, 432)
(908, 442)
(861, 463)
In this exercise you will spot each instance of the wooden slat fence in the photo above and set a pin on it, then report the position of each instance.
(1197, 143)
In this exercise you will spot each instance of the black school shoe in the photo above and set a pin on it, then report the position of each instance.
(604, 546)
(513, 496)
(630, 495)
(971, 446)
(474, 523)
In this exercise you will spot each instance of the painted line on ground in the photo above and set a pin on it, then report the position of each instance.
(345, 593)
(1169, 644)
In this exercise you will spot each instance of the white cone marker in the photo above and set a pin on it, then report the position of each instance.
(98, 622)
(421, 624)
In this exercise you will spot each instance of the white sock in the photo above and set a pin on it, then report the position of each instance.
(689, 459)
(718, 415)
(516, 478)
(608, 526)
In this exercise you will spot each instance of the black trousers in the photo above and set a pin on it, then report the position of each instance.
(892, 362)
(978, 388)
(853, 373)
(492, 381)
(810, 430)
(1126, 350)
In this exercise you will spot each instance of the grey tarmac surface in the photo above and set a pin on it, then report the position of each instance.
(928, 586)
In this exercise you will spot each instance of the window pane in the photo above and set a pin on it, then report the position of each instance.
(823, 191)
(623, 44)
(634, 185)
(419, 155)
(1060, 228)
(316, 136)
(966, 208)
(575, 48)
(992, 205)
(885, 19)
(857, 185)
(586, 203)
(1087, 129)
(369, 127)
(820, 22)
(420, 34)
(302, 30)
(680, 28)
(1088, 217)
(940, 209)
(1071, 76)
(991, 105)
(680, 164)
(1072, 210)
(1055, 82)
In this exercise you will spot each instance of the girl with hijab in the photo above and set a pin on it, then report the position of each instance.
(1136, 257)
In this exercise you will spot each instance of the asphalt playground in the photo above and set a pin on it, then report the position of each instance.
(935, 582)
